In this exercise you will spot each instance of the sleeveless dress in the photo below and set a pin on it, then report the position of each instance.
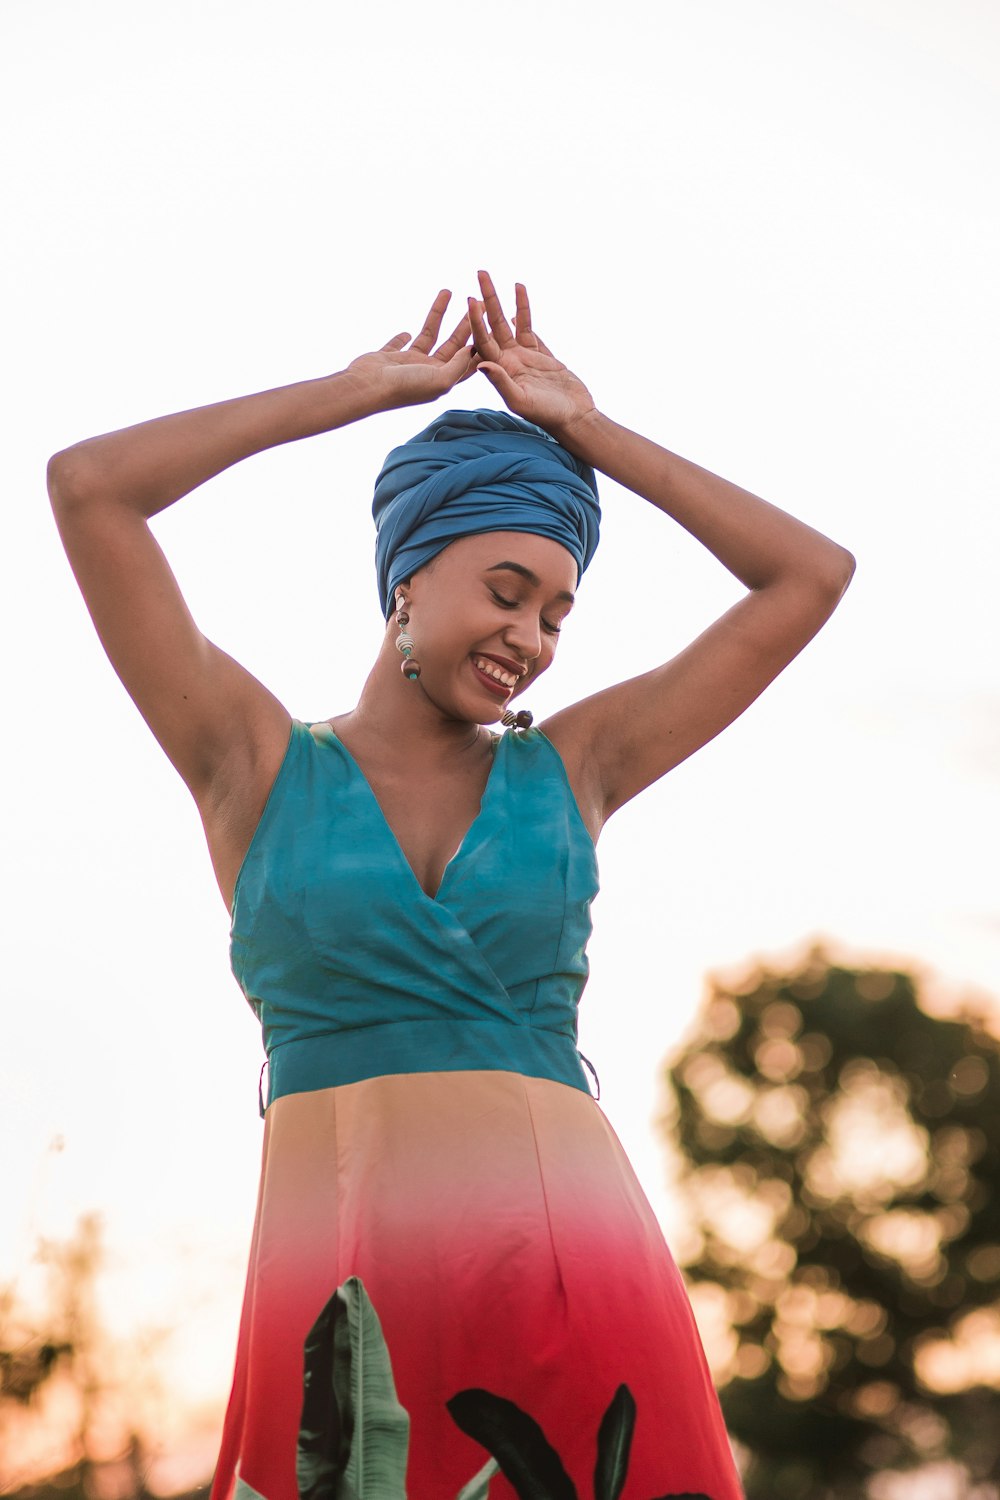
(456, 1285)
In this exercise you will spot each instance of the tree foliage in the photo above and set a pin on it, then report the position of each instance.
(841, 1155)
(64, 1351)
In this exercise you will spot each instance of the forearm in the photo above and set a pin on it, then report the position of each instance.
(149, 466)
(756, 541)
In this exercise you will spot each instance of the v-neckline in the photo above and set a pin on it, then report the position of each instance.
(496, 741)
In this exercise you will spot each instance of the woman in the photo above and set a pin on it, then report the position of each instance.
(454, 1271)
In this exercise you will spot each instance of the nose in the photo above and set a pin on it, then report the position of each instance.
(524, 635)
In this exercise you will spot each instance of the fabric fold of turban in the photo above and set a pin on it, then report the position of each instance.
(476, 471)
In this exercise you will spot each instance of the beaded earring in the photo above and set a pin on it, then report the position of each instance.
(409, 666)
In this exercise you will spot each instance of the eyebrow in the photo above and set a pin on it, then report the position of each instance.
(532, 578)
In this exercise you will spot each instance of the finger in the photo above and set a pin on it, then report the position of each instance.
(501, 328)
(458, 340)
(427, 337)
(501, 382)
(474, 365)
(486, 344)
(522, 317)
(465, 363)
(398, 342)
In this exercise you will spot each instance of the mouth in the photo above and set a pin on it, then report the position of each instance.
(497, 679)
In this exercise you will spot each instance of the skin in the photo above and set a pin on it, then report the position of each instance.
(226, 733)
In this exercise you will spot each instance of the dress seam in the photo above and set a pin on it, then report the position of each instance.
(544, 1192)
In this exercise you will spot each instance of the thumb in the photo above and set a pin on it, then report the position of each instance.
(501, 381)
(462, 365)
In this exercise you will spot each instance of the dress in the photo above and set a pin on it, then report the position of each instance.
(433, 1151)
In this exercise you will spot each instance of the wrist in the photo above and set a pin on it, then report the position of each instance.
(353, 395)
(579, 434)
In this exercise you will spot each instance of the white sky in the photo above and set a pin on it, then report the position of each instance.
(765, 234)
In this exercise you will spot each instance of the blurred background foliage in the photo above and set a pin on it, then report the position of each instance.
(839, 1167)
(74, 1404)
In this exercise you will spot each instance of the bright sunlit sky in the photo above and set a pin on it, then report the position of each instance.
(764, 232)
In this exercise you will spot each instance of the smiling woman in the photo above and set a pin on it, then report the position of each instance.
(455, 1281)
(461, 616)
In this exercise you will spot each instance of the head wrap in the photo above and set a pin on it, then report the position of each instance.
(476, 471)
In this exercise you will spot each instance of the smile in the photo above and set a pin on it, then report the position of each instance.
(493, 676)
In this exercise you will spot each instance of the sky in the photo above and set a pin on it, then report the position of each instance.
(765, 235)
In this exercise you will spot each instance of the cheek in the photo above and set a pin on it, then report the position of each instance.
(449, 638)
(547, 656)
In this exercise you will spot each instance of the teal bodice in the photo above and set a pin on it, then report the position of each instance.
(354, 971)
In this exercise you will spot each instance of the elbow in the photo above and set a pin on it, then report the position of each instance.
(836, 573)
(820, 579)
(70, 478)
(848, 565)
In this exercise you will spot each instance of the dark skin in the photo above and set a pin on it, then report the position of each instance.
(227, 734)
(464, 603)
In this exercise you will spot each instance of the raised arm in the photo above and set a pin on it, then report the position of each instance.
(625, 737)
(209, 714)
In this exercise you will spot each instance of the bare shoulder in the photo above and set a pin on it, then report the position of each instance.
(624, 738)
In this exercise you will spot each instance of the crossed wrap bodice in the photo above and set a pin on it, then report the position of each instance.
(354, 971)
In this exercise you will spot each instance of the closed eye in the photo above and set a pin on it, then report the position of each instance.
(514, 604)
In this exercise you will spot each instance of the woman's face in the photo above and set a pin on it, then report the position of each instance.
(485, 617)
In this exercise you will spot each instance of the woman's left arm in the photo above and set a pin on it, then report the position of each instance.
(625, 737)
(640, 729)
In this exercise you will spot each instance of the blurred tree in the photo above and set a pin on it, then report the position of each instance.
(840, 1160)
(67, 1348)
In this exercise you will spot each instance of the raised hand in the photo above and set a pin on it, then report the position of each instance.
(406, 377)
(521, 367)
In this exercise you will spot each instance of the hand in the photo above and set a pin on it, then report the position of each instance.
(521, 367)
(398, 376)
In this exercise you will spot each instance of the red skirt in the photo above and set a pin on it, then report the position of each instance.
(458, 1274)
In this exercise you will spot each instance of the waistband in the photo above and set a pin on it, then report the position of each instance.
(304, 1064)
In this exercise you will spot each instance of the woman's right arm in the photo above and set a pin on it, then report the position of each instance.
(209, 714)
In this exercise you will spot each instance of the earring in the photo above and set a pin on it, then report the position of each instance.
(409, 666)
(523, 719)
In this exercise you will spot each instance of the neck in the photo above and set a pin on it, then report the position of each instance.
(396, 717)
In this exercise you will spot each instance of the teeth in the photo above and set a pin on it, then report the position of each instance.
(497, 673)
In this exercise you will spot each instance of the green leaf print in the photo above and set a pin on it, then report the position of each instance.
(527, 1458)
(517, 1443)
(614, 1441)
(478, 1488)
(245, 1491)
(354, 1435)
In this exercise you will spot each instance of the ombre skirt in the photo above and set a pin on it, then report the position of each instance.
(457, 1287)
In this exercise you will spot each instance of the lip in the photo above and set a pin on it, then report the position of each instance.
(516, 667)
(496, 688)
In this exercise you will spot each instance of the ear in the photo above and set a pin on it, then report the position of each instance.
(399, 599)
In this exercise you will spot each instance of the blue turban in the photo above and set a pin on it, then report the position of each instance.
(476, 471)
